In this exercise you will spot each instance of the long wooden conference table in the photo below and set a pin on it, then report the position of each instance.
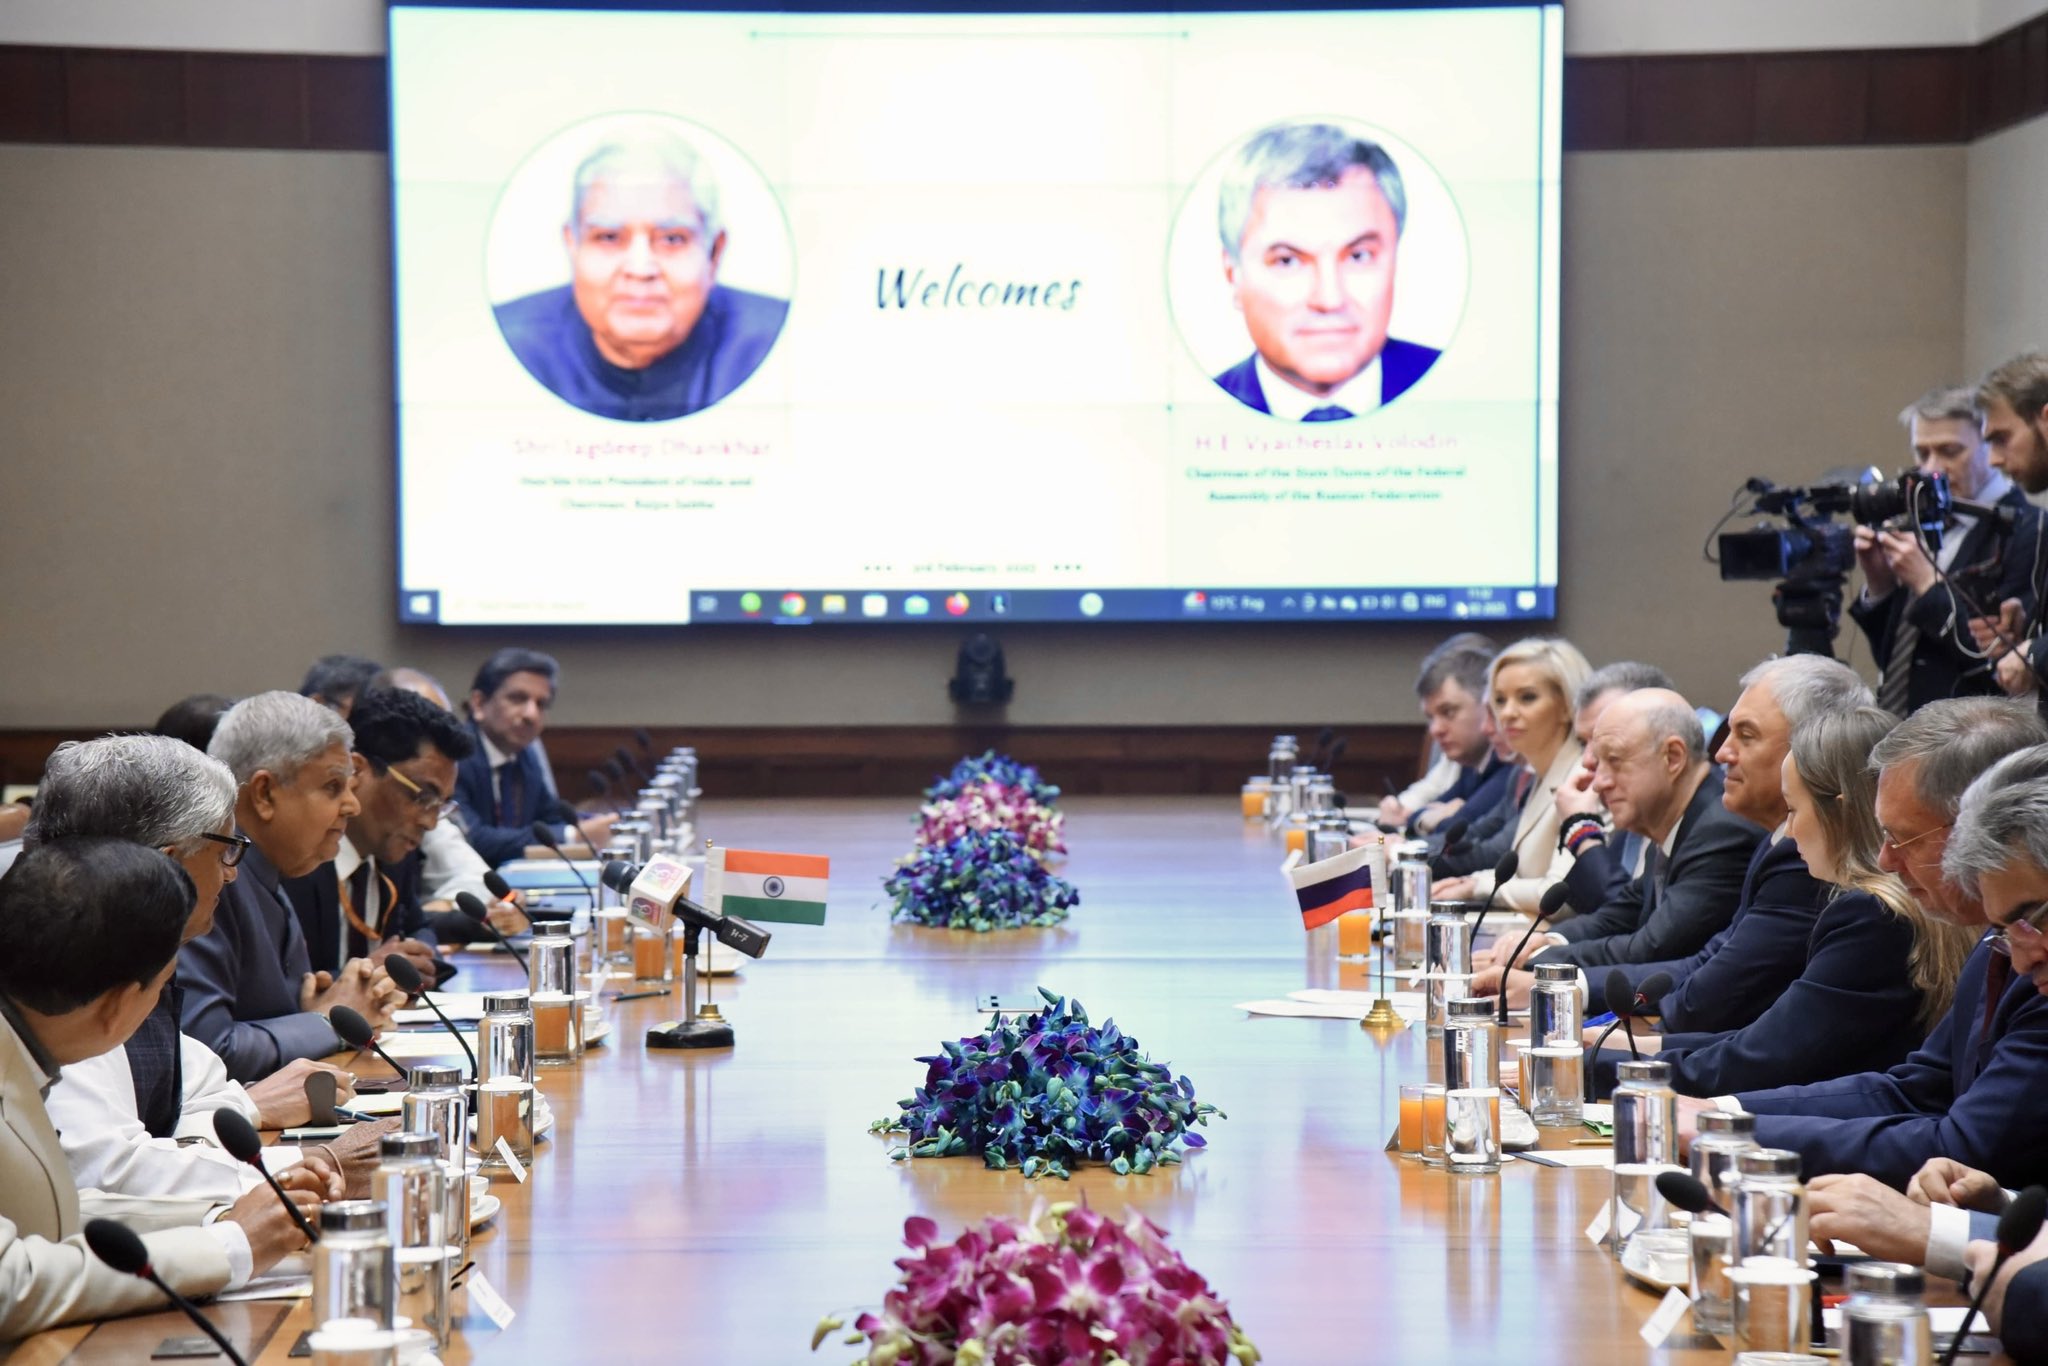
(711, 1207)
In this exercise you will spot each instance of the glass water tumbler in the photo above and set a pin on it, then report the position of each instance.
(557, 1020)
(1446, 963)
(1721, 1137)
(412, 1182)
(1770, 1206)
(434, 1103)
(1773, 1306)
(1713, 1306)
(654, 955)
(355, 1279)
(1410, 883)
(1885, 1322)
(1645, 1143)
(505, 1093)
(1471, 1087)
(1556, 1059)
(1280, 758)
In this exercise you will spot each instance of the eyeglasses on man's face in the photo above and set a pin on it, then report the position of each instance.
(236, 846)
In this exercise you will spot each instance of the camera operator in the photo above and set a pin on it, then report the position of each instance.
(1915, 624)
(2012, 407)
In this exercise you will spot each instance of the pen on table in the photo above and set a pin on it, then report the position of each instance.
(637, 995)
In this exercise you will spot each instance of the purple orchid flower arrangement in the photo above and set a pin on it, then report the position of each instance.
(981, 880)
(986, 804)
(999, 769)
(1046, 1092)
(1067, 1285)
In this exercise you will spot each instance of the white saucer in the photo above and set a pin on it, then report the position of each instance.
(484, 1210)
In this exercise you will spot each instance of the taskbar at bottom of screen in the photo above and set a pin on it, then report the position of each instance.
(829, 607)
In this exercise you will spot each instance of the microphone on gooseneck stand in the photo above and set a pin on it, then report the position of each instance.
(469, 905)
(1555, 898)
(600, 785)
(1687, 1192)
(238, 1138)
(1503, 870)
(645, 741)
(495, 884)
(408, 978)
(2017, 1228)
(355, 1031)
(625, 757)
(546, 835)
(121, 1248)
(1322, 755)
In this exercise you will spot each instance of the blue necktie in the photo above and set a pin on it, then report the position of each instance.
(1327, 413)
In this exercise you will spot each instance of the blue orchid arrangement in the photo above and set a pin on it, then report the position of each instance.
(981, 880)
(1046, 1092)
(992, 767)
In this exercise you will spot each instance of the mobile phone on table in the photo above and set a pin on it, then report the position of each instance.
(312, 1133)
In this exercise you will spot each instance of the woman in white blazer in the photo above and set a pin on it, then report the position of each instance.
(1530, 686)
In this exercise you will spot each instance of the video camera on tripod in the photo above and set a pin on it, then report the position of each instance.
(1810, 554)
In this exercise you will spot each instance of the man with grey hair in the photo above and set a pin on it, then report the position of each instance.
(1451, 685)
(1918, 631)
(1311, 218)
(1977, 1090)
(251, 993)
(136, 1122)
(1651, 771)
(643, 331)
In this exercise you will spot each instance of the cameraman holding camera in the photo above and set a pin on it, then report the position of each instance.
(2012, 407)
(1915, 624)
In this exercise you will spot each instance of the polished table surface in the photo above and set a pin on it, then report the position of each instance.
(713, 1206)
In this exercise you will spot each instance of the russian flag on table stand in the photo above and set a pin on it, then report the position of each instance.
(1328, 889)
(789, 888)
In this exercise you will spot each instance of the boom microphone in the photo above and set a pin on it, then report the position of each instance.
(545, 834)
(408, 978)
(238, 1137)
(121, 1248)
(1555, 898)
(2017, 1227)
(467, 903)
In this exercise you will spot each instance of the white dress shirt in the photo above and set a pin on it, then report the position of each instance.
(1358, 395)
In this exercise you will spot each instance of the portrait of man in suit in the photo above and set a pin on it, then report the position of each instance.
(644, 331)
(1311, 218)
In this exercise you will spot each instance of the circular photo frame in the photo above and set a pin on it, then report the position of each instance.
(1347, 278)
(639, 266)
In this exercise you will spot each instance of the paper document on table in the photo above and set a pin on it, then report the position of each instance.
(378, 1103)
(456, 1005)
(1409, 1005)
(1569, 1157)
(1333, 1005)
(270, 1288)
(425, 1043)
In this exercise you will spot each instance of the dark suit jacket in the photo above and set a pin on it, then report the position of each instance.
(1746, 966)
(1702, 885)
(1401, 364)
(476, 792)
(241, 979)
(1852, 1009)
(1940, 667)
(1478, 788)
(1489, 828)
(730, 340)
(330, 938)
(1979, 1096)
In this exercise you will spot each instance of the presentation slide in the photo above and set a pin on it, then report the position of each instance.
(820, 318)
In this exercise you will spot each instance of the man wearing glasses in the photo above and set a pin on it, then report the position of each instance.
(365, 902)
(1977, 1089)
(252, 992)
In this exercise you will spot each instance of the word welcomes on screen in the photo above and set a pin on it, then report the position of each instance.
(914, 289)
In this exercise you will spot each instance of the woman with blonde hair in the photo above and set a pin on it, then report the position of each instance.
(1529, 687)
(1879, 971)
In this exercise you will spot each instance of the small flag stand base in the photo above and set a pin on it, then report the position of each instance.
(1382, 1016)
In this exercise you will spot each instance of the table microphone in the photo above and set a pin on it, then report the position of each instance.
(355, 1031)
(408, 978)
(2016, 1228)
(1504, 869)
(1555, 898)
(469, 905)
(625, 757)
(1454, 834)
(239, 1138)
(1687, 1192)
(644, 740)
(545, 834)
(121, 1248)
(600, 785)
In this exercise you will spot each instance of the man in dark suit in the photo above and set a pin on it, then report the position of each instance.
(1977, 1090)
(500, 786)
(644, 332)
(1918, 630)
(1651, 771)
(1311, 219)
(365, 902)
(252, 992)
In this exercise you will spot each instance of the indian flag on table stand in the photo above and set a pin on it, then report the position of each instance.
(752, 885)
(1328, 889)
